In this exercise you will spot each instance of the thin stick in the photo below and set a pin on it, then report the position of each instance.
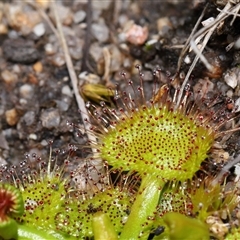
(208, 30)
(45, 17)
(225, 170)
(186, 45)
(73, 77)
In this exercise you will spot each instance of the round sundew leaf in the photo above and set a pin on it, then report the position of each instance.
(157, 141)
(11, 202)
(43, 199)
(76, 219)
(175, 199)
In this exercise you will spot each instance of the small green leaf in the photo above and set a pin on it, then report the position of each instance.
(183, 227)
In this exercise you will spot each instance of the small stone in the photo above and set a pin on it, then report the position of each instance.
(163, 25)
(237, 44)
(64, 104)
(2, 161)
(32, 136)
(122, 20)
(79, 16)
(231, 77)
(12, 34)
(116, 58)
(44, 143)
(67, 91)
(50, 118)
(23, 102)
(29, 118)
(89, 78)
(187, 59)
(101, 5)
(58, 60)
(32, 78)
(8, 77)
(12, 117)
(43, 3)
(135, 34)
(20, 20)
(20, 50)
(229, 93)
(237, 104)
(3, 142)
(38, 67)
(75, 53)
(100, 31)
(39, 29)
(49, 49)
(64, 14)
(96, 51)
(3, 29)
(26, 91)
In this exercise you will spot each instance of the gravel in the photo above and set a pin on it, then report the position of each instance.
(36, 98)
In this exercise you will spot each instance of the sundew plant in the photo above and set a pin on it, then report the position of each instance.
(159, 154)
(153, 171)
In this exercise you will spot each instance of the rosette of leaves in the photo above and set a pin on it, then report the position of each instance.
(160, 140)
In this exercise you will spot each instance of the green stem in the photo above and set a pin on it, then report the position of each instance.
(143, 207)
(8, 229)
(102, 227)
(28, 233)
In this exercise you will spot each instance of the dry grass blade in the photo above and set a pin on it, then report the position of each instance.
(73, 76)
(206, 31)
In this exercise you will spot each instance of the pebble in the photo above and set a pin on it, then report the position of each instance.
(163, 25)
(21, 21)
(3, 29)
(64, 104)
(237, 104)
(100, 31)
(50, 118)
(23, 102)
(39, 30)
(44, 143)
(122, 20)
(75, 53)
(38, 67)
(3, 142)
(50, 49)
(43, 3)
(20, 51)
(32, 136)
(79, 16)
(67, 91)
(96, 51)
(229, 93)
(9, 77)
(101, 5)
(116, 58)
(136, 34)
(2, 161)
(12, 34)
(29, 118)
(237, 43)
(12, 117)
(64, 14)
(58, 60)
(232, 76)
(26, 91)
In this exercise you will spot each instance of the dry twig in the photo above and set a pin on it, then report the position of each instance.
(206, 31)
(73, 77)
